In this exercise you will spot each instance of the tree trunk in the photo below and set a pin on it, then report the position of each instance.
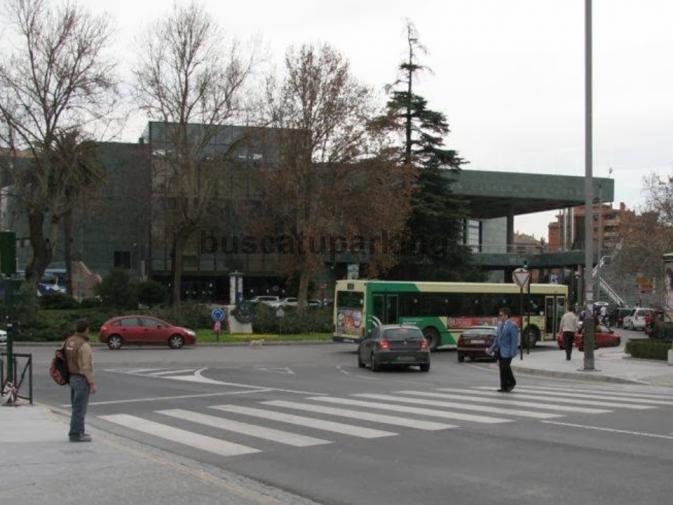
(179, 242)
(68, 238)
(42, 250)
(302, 294)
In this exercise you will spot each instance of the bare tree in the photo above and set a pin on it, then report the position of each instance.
(193, 83)
(333, 181)
(56, 81)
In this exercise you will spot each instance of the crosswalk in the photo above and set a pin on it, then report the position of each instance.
(323, 419)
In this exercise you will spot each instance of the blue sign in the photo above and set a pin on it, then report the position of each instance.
(218, 314)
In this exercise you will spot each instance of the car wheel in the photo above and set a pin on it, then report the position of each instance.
(175, 342)
(461, 357)
(375, 366)
(114, 342)
(432, 336)
(361, 364)
(425, 367)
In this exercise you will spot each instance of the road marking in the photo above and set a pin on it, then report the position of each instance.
(172, 372)
(636, 394)
(177, 397)
(612, 430)
(319, 424)
(596, 403)
(281, 370)
(505, 401)
(364, 416)
(601, 396)
(460, 406)
(179, 436)
(411, 410)
(282, 437)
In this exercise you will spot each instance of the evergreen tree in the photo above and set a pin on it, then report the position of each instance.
(432, 248)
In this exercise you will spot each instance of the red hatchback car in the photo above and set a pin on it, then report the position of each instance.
(143, 330)
(603, 337)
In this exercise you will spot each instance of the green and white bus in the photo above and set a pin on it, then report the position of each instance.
(442, 310)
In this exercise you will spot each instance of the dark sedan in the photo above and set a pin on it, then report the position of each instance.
(474, 341)
(394, 345)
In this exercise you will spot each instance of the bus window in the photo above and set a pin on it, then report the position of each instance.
(391, 309)
(378, 308)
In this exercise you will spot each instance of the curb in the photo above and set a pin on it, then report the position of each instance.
(579, 375)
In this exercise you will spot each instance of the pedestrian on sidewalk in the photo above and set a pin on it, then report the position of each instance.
(82, 382)
(568, 329)
(504, 347)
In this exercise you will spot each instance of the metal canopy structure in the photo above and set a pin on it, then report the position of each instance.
(492, 194)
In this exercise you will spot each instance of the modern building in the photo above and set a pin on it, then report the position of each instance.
(124, 224)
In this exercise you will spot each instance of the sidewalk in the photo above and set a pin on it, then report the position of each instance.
(610, 364)
(38, 464)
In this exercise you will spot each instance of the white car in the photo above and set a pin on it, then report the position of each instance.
(3, 339)
(270, 300)
(636, 321)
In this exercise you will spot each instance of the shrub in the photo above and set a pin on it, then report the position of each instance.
(58, 301)
(292, 322)
(151, 292)
(189, 314)
(648, 349)
(116, 290)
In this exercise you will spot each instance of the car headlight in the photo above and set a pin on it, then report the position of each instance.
(190, 332)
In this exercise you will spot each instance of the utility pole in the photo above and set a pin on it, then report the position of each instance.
(588, 325)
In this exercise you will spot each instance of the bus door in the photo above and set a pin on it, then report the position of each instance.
(554, 308)
(386, 308)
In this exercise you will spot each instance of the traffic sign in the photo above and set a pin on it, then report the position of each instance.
(521, 277)
(218, 314)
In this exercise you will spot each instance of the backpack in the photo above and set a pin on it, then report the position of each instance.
(59, 367)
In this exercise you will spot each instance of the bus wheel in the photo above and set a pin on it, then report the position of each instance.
(532, 335)
(432, 336)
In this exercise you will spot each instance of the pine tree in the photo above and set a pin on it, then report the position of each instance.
(432, 249)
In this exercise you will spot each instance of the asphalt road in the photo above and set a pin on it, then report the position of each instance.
(288, 416)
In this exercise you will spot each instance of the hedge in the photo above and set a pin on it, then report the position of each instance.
(648, 349)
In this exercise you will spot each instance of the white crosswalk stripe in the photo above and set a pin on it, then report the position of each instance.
(559, 399)
(282, 437)
(310, 422)
(183, 437)
(613, 392)
(504, 401)
(411, 410)
(364, 416)
(634, 398)
(461, 406)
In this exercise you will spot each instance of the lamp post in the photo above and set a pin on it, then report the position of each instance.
(588, 197)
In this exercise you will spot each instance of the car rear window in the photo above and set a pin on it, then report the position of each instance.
(403, 333)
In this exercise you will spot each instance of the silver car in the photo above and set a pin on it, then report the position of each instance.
(3, 339)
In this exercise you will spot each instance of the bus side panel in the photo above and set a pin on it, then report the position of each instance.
(447, 338)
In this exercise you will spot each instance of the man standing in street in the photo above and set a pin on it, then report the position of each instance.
(568, 329)
(505, 345)
(82, 383)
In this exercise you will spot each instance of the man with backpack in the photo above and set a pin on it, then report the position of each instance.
(82, 382)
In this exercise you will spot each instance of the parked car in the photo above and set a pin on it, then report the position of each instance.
(3, 339)
(637, 320)
(143, 330)
(270, 300)
(474, 341)
(394, 344)
(603, 337)
(622, 312)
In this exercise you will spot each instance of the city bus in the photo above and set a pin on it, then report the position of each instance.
(442, 310)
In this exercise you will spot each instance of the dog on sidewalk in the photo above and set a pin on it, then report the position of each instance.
(256, 344)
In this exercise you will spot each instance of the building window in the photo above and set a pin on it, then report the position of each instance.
(122, 259)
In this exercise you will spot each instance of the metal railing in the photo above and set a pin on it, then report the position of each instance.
(18, 378)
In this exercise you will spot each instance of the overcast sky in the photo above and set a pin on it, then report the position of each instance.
(508, 74)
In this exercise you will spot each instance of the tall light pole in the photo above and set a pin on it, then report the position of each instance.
(588, 326)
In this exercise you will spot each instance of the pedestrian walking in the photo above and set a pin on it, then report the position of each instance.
(504, 347)
(568, 329)
(82, 382)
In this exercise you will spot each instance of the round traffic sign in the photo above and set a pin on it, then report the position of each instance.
(218, 314)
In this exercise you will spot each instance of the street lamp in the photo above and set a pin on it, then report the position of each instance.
(588, 326)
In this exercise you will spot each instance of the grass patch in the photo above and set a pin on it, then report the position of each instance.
(207, 336)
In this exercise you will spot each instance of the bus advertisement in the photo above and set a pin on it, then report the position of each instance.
(442, 310)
